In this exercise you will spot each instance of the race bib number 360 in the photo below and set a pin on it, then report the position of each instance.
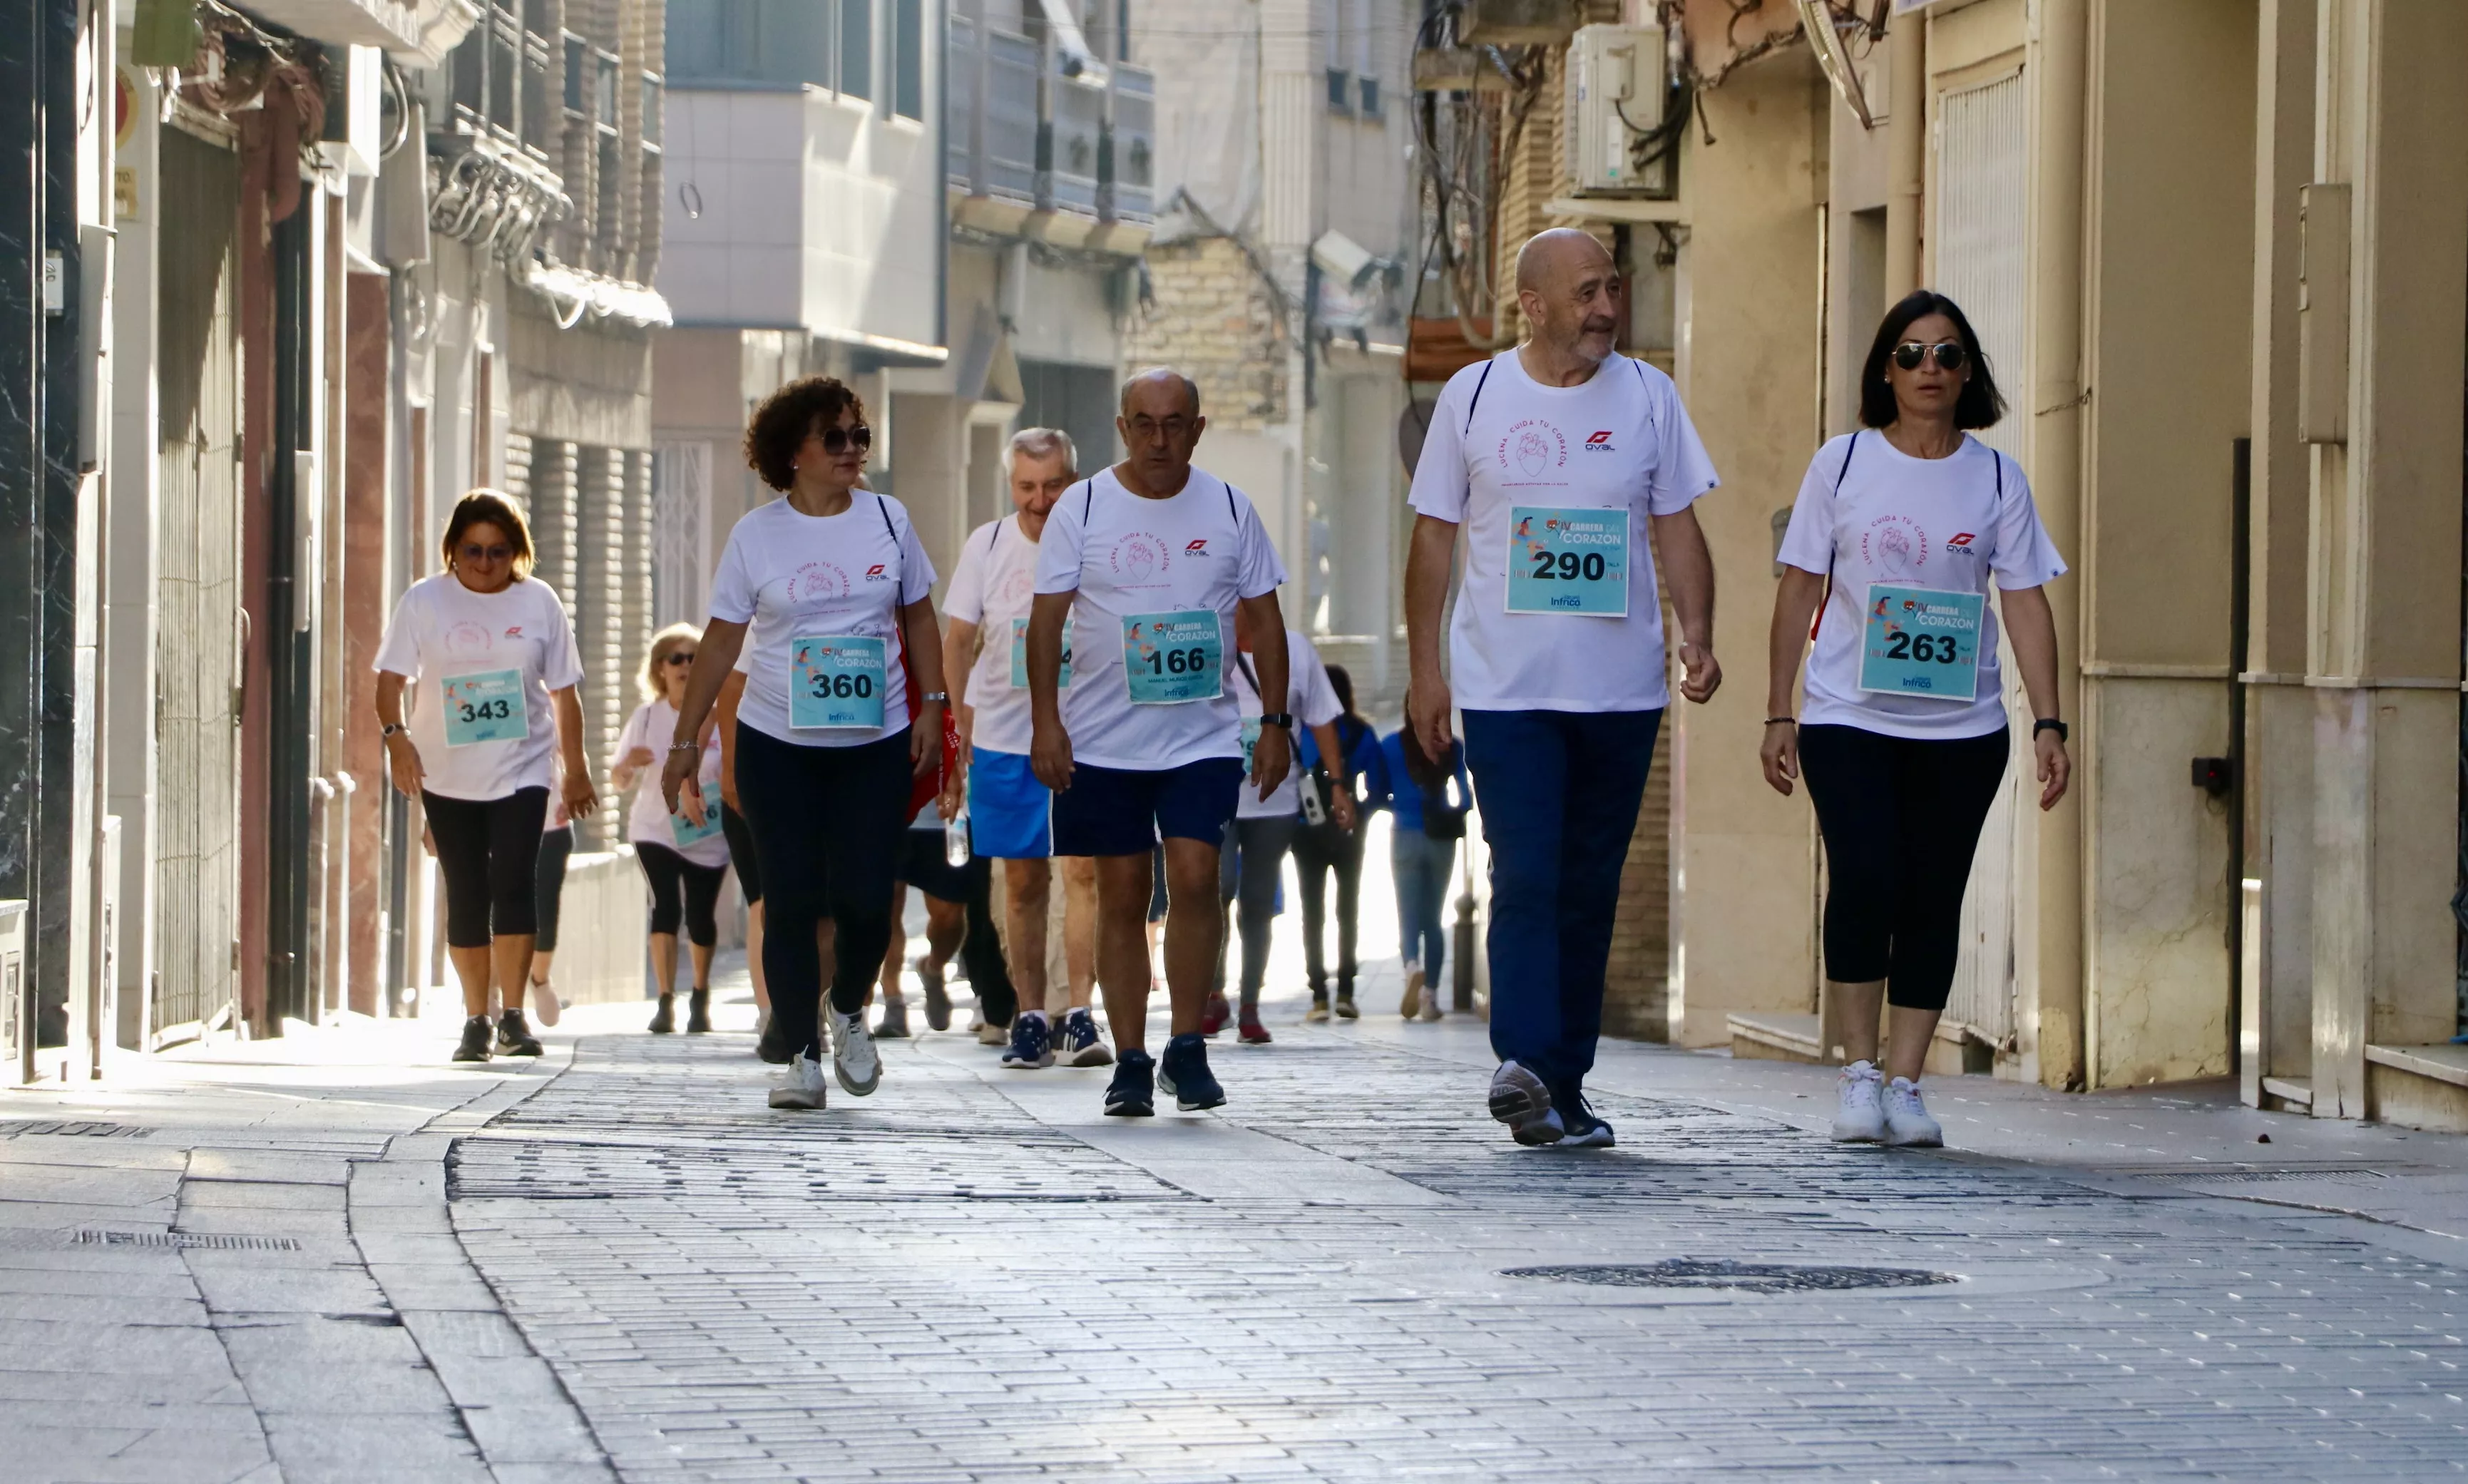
(836, 680)
(1169, 658)
(485, 707)
(1567, 560)
(1920, 641)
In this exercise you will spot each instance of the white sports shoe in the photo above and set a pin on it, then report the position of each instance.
(1906, 1118)
(854, 1059)
(804, 1088)
(1860, 1117)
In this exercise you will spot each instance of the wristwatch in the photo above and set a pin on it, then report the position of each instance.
(936, 695)
(392, 729)
(1278, 719)
(2049, 724)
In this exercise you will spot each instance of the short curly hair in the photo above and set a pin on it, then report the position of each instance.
(779, 427)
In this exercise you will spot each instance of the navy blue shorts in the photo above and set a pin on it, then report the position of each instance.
(1123, 811)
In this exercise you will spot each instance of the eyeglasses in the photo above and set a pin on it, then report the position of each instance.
(474, 552)
(1950, 355)
(679, 657)
(836, 440)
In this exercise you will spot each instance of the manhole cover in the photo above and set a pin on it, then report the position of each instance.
(1688, 1272)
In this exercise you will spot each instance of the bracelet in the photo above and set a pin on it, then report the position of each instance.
(1782, 721)
(685, 746)
(936, 695)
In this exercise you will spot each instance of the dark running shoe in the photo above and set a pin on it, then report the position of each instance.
(1132, 1093)
(665, 1019)
(515, 1038)
(1077, 1044)
(938, 1000)
(1184, 1075)
(476, 1036)
(1032, 1043)
(1521, 1100)
(699, 1014)
(772, 1045)
(1584, 1130)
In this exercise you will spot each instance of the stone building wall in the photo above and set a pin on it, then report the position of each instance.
(1211, 318)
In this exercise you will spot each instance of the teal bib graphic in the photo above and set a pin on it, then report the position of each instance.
(1564, 561)
(1019, 655)
(1921, 640)
(1169, 658)
(685, 832)
(836, 680)
(485, 707)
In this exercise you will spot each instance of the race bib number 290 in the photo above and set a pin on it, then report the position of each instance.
(1567, 560)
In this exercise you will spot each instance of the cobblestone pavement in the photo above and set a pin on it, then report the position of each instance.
(973, 1275)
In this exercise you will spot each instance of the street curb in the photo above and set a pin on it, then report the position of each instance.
(515, 1409)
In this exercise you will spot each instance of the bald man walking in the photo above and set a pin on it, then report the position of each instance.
(1556, 458)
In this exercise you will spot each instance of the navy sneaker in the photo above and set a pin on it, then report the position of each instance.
(1585, 1131)
(1132, 1094)
(1078, 1042)
(1185, 1076)
(1032, 1042)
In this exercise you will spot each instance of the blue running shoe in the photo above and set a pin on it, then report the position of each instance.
(1133, 1091)
(1032, 1042)
(1077, 1044)
(1185, 1076)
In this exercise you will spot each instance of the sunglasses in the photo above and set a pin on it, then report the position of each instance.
(679, 657)
(1950, 355)
(838, 441)
(477, 553)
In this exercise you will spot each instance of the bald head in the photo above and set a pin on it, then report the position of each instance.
(1160, 427)
(1164, 390)
(1570, 293)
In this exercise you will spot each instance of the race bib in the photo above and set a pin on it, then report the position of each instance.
(685, 832)
(1250, 739)
(485, 707)
(1920, 641)
(1169, 658)
(1567, 560)
(1019, 655)
(836, 680)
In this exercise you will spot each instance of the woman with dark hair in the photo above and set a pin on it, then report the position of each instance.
(828, 592)
(683, 863)
(493, 655)
(1325, 846)
(1897, 532)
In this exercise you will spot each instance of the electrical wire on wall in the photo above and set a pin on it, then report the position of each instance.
(1465, 139)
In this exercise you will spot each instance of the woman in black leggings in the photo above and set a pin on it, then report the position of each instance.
(1897, 532)
(684, 863)
(486, 657)
(1328, 848)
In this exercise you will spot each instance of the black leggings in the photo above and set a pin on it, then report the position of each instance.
(1320, 848)
(827, 823)
(1250, 867)
(1901, 818)
(740, 854)
(924, 866)
(682, 889)
(489, 852)
(556, 847)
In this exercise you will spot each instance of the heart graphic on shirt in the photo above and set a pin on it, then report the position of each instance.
(1533, 453)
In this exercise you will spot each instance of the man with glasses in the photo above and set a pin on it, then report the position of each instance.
(1149, 561)
(1557, 457)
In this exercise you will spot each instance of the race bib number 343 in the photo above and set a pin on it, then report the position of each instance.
(1567, 560)
(836, 680)
(1169, 658)
(1921, 640)
(485, 707)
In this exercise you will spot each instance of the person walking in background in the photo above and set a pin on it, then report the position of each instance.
(685, 863)
(1324, 847)
(1426, 805)
(741, 856)
(959, 924)
(833, 590)
(1903, 732)
(492, 655)
(1556, 456)
(548, 894)
(986, 656)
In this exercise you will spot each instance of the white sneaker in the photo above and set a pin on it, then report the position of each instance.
(1519, 1100)
(1430, 1003)
(545, 1006)
(1907, 1123)
(1861, 1116)
(804, 1088)
(989, 1034)
(854, 1059)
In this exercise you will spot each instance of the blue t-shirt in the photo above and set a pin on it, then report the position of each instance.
(1405, 797)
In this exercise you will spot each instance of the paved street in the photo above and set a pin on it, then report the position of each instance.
(337, 1257)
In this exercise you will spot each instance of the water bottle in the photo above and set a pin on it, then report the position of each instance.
(955, 838)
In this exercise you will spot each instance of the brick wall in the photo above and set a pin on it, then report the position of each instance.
(1211, 318)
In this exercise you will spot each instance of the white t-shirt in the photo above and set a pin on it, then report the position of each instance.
(654, 726)
(1934, 523)
(1311, 698)
(1126, 554)
(444, 632)
(1501, 441)
(794, 576)
(993, 587)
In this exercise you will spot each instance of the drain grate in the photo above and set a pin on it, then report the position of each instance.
(1687, 1272)
(216, 1242)
(2343, 1174)
(71, 1129)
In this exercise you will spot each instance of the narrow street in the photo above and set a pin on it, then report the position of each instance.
(334, 1257)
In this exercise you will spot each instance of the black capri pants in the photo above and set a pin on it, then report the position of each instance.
(1901, 818)
(557, 848)
(487, 850)
(681, 890)
(740, 854)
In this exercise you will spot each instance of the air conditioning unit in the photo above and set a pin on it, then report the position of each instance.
(1616, 85)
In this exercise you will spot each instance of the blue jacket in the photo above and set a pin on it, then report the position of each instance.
(1406, 800)
(1364, 759)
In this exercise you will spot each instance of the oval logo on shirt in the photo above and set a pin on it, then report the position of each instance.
(815, 581)
(1139, 558)
(1533, 447)
(1894, 544)
(469, 638)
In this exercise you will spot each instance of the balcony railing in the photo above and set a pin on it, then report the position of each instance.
(1019, 126)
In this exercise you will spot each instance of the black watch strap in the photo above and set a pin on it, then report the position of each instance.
(2050, 724)
(1282, 719)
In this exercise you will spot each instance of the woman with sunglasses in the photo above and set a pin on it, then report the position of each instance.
(488, 655)
(830, 593)
(684, 862)
(1898, 530)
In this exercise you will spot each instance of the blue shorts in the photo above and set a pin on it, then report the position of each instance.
(1007, 807)
(1122, 811)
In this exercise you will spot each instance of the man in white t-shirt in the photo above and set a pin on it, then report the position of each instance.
(1149, 561)
(1556, 458)
(985, 654)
